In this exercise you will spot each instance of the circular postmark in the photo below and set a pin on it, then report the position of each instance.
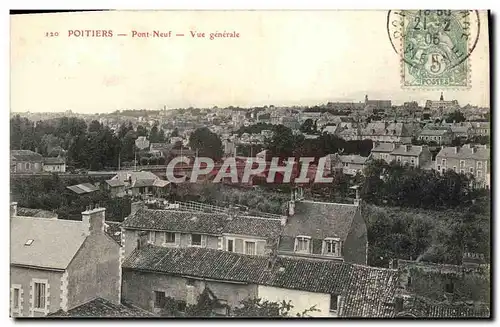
(434, 44)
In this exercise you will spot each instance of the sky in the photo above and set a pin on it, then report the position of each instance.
(280, 58)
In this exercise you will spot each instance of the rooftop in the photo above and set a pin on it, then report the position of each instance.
(100, 308)
(368, 291)
(320, 220)
(466, 152)
(47, 243)
(25, 155)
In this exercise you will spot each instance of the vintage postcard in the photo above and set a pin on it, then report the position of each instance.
(250, 164)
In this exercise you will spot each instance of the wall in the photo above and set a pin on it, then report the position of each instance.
(239, 243)
(95, 271)
(34, 167)
(138, 288)
(355, 245)
(301, 300)
(24, 276)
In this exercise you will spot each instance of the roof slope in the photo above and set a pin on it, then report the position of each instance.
(100, 308)
(466, 152)
(368, 291)
(320, 220)
(202, 222)
(25, 155)
(39, 213)
(55, 242)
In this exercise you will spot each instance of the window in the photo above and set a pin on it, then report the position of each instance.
(302, 244)
(443, 162)
(409, 280)
(462, 163)
(169, 237)
(479, 165)
(250, 248)
(462, 171)
(331, 247)
(152, 237)
(39, 295)
(159, 299)
(448, 287)
(334, 302)
(27, 166)
(439, 167)
(230, 245)
(190, 282)
(196, 239)
(398, 158)
(471, 170)
(479, 173)
(455, 168)
(15, 298)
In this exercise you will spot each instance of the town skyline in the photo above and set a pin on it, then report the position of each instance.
(281, 58)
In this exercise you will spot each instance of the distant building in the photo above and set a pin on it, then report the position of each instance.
(25, 161)
(439, 135)
(60, 264)
(468, 159)
(377, 104)
(55, 165)
(386, 132)
(138, 182)
(413, 155)
(442, 107)
(348, 164)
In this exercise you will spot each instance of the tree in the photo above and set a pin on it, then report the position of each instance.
(207, 144)
(455, 117)
(308, 127)
(154, 136)
(264, 308)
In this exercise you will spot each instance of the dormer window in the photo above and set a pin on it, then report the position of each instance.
(331, 246)
(303, 244)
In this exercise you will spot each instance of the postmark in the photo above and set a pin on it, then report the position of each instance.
(434, 46)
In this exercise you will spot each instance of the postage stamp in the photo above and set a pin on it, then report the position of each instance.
(434, 46)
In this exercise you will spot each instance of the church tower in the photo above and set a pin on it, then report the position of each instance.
(442, 97)
(366, 99)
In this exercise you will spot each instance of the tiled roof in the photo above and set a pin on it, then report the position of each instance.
(124, 175)
(53, 161)
(54, 242)
(354, 158)
(83, 188)
(383, 147)
(320, 220)
(100, 308)
(243, 225)
(143, 183)
(39, 213)
(202, 222)
(25, 155)
(407, 150)
(176, 221)
(465, 152)
(420, 308)
(113, 229)
(115, 183)
(434, 132)
(368, 291)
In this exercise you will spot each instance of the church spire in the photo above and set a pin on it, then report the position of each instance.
(441, 98)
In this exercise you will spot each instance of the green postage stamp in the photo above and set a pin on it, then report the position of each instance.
(435, 46)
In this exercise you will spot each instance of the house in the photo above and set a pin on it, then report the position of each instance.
(160, 149)
(442, 107)
(468, 159)
(481, 128)
(54, 164)
(336, 289)
(439, 135)
(349, 164)
(323, 230)
(25, 161)
(386, 132)
(382, 151)
(462, 130)
(184, 225)
(116, 187)
(138, 182)
(413, 155)
(61, 264)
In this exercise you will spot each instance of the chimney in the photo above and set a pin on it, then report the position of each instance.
(357, 201)
(142, 239)
(94, 219)
(457, 149)
(291, 207)
(13, 209)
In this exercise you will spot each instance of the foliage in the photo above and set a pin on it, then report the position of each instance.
(207, 143)
(455, 117)
(254, 129)
(263, 308)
